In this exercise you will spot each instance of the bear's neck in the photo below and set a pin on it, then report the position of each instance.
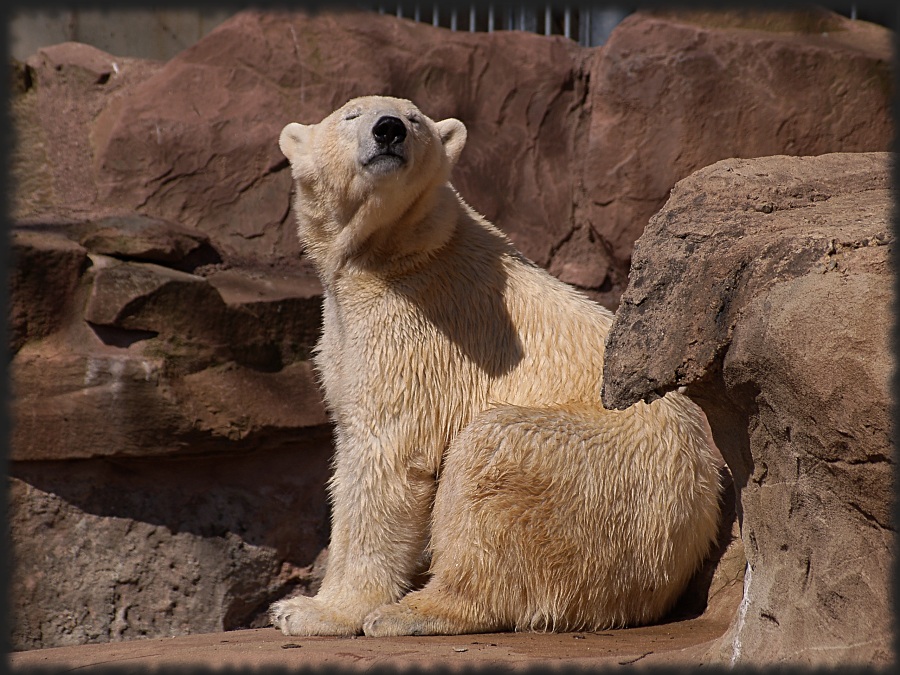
(387, 244)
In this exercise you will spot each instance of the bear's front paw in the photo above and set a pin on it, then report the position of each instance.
(307, 616)
(395, 619)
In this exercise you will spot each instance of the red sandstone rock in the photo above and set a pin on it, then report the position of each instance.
(150, 240)
(63, 89)
(673, 92)
(570, 150)
(111, 550)
(207, 123)
(109, 545)
(44, 273)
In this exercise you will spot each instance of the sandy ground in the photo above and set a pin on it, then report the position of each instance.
(679, 642)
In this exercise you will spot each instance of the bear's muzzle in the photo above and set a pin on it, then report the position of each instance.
(385, 149)
(389, 131)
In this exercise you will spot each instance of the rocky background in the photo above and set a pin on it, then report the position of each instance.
(169, 447)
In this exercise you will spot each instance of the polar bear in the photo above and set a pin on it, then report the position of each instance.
(464, 384)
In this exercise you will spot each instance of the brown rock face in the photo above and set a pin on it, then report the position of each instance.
(207, 122)
(170, 446)
(570, 150)
(764, 287)
(150, 360)
(44, 275)
(114, 549)
(162, 314)
(674, 92)
(151, 240)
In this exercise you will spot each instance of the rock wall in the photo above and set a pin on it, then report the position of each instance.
(570, 150)
(786, 346)
(169, 446)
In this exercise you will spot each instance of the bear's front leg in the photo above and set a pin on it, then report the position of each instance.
(381, 508)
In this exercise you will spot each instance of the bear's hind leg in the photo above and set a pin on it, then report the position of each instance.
(430, 611)
(563, 519)
(475, 586)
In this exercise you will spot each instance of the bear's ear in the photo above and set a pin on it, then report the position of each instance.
(293, 139)
(453, 137)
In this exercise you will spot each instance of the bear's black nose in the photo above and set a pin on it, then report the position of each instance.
(389, 130)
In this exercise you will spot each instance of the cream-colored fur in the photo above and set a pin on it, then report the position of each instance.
(464, 382)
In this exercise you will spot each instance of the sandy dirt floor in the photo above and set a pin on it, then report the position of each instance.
(678, 642)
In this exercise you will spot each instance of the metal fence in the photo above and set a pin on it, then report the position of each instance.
(590, 26)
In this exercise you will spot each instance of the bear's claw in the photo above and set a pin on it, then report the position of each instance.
(305, 616)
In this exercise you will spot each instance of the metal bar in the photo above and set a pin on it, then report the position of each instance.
(592, 26)
(528, 20)
(584, 26)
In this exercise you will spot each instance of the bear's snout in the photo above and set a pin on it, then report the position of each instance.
(382, 147)
(389, 130)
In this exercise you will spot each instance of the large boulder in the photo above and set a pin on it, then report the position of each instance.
(207, 121)
(119, 357)
(163, 314)
(764, 288)
(676, 91)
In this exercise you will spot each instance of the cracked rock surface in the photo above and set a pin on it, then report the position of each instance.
(764, 288)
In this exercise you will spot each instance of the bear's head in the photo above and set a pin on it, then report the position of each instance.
(372, 179)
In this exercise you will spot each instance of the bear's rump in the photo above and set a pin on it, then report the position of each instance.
(572, 517)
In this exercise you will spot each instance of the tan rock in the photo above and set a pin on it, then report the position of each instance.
(764, 287)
